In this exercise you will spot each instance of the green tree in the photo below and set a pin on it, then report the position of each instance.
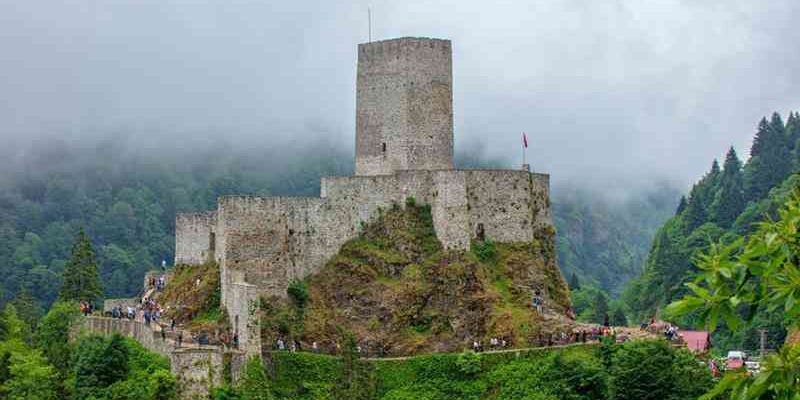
(16, 328)
(729, 200)
(581, 376)
(700, 198)
(81, 281)
(163, 385)
(600, 312)
(770, 158)
(652, 370)
(28, 308)
(682, 204)
(618, 317)
(574, 283)
(99, 363)
(30, 378)
(760, 271)
(52, 334)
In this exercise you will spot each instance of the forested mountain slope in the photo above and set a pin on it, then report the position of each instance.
(723, 205)
(603, 241)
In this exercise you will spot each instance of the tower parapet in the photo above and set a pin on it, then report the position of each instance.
(404, 106)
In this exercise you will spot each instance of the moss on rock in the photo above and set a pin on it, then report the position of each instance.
(399, 292)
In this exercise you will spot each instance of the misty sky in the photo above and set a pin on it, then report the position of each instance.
(609, 92)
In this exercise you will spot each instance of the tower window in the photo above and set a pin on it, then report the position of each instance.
(480, 233)
(383, 147)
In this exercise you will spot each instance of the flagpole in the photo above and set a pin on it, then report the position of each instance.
(524, 150)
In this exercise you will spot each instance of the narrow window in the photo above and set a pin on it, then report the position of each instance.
(481, 233)
(383, 147)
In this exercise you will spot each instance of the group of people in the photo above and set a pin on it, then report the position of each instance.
(151, 311)
(293, 345)
(119, 313)
(494, 344)
(157, 282)
(86, 307)
(671, 332)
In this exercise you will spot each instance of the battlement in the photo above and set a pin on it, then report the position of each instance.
(402, 47)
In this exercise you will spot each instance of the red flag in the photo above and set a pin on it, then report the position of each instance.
(524, 140)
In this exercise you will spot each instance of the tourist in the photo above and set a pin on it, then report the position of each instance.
(314, 347)
(281, 344)
(236, 340)
(163, 335)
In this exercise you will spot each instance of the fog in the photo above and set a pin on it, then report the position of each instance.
(612, 94)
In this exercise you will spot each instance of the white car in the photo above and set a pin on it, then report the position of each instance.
(753, 367)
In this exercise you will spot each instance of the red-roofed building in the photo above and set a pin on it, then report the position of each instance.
(696, 341)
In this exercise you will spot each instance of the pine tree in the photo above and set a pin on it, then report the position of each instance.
(81, 281)
(27, 308)
(574, 283)
(700, 198)
(600, 312)
(681, 206)
(618, 318)
(115, 361)
(770, 158)
(729, 200)
(793, 132)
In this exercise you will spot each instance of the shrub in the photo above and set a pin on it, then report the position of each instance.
(254, 385)
(486, 251)
(469, 363)
(298, 291)
(644, 370)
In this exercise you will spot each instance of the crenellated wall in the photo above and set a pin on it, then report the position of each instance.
(197, 368)
(269, 241)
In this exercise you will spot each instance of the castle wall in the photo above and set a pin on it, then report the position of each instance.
(404, 106)
(265, 243)
(504, 204)
(193, 237)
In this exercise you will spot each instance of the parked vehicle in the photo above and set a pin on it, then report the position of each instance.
(753, 367)
(735, 359)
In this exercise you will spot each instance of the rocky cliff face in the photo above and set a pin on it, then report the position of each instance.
(399, 292)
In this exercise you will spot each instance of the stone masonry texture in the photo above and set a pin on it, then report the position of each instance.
(404, 106)
(404, 101)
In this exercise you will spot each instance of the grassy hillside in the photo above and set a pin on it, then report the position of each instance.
(192, 297)
(399, 292)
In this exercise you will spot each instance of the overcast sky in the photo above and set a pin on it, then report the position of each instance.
(609, 92)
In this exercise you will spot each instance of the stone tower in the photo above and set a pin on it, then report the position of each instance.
(404, 106)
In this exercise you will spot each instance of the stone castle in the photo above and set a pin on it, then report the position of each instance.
(404, 148)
